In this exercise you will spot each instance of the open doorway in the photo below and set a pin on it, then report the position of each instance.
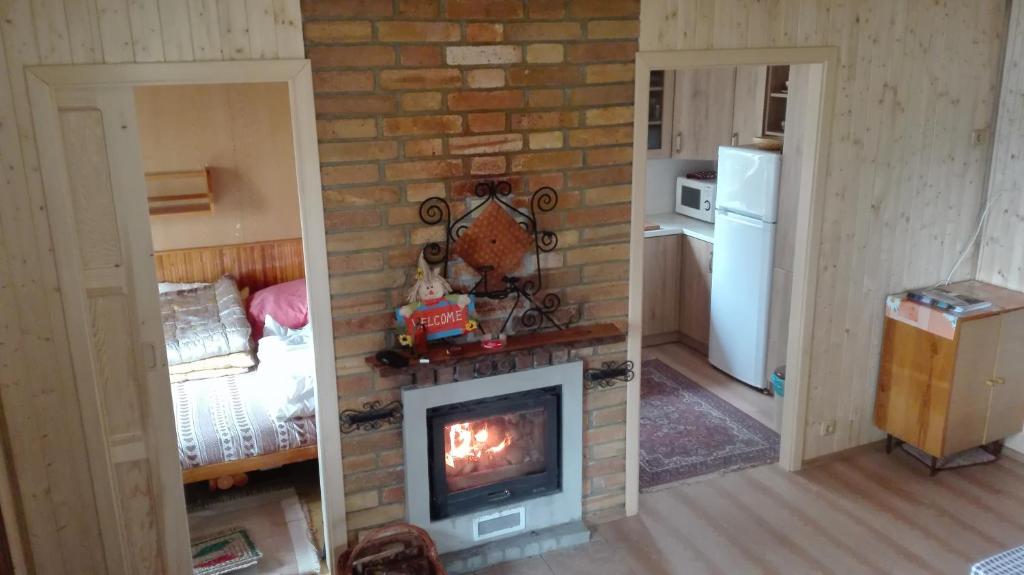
(102, 209)
(227, 237)
(722, 188)
(726, 157)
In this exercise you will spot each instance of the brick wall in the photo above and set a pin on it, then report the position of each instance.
(417, 98)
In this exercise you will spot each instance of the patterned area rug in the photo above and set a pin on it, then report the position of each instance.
(687, 431)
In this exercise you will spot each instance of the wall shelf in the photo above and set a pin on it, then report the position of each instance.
(179, 192)
(446, 355)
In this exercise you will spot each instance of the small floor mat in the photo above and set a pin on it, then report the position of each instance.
(967, 458)
(222, 553)
(276, 523)
(687, 431)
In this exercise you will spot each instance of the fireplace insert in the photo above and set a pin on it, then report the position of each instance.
(494, 451)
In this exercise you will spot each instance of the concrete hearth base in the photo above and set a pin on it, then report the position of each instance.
(518, 547)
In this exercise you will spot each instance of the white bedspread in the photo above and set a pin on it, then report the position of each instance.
(287, 370)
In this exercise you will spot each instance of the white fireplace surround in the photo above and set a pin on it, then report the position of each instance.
(457, 533)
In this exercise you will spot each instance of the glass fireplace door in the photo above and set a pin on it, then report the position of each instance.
(494, 451)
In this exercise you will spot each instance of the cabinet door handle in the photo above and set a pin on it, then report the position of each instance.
(679, 142)
(994, 381)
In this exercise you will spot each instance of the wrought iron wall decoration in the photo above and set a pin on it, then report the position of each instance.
(491, 247)
(373, 416)
(609, 374)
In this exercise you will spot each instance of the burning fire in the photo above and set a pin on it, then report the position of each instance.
(464, 443)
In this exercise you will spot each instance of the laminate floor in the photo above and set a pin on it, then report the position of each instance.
(859, 512)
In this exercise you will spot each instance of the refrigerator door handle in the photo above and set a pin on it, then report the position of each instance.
(741, 218)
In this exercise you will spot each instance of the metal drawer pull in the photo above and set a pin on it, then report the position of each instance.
(994, 381)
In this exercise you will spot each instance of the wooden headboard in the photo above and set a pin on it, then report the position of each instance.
(254, 266)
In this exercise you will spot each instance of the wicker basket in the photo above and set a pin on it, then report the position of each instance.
(400, 549)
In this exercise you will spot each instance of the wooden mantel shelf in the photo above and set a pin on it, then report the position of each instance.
(444, 356)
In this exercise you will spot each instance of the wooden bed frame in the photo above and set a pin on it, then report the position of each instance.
(254, 266)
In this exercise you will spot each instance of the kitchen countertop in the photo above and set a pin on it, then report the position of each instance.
(673, 224)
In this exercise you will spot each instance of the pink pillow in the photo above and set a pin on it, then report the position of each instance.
(286, 303)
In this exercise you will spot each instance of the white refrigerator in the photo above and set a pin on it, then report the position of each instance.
(746, 207)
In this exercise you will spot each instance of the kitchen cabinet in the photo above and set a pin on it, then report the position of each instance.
(748, 107)
(776, 95)
(946, 385)
(695, 279)
(677, 290)
(703, 112)
(659, 114)
(661, 287)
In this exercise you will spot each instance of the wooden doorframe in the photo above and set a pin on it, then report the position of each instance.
(44, 80)
(808, 238)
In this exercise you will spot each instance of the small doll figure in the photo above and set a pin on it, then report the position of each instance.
(432, 310)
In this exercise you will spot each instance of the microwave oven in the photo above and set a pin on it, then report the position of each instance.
(696, 198)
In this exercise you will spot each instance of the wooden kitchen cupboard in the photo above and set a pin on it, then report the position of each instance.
(659, 114)
(661, 289)
(948, 384)
(677, 291)
(702, 112)
(695, 306)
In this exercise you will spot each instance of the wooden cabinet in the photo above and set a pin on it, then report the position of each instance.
(703, 112)
(677, 291)
(949, 385)
(661, 286)
(659, 114)
(776, 95)
(695, 308)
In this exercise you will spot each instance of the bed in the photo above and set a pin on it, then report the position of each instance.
(230, 415)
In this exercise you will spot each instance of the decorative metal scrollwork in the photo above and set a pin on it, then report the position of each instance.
(373, 416)
(609, 374)
(436, 210)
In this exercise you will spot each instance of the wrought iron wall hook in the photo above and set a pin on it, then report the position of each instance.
(373, 416)
(608, 375)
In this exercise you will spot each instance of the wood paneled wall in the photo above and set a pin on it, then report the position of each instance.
(905, 180)
(242, 133)
(42, 426)
(254, 265)
(1001, 261)
(1001, 258)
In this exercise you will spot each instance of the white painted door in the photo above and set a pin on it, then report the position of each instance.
(96, 204)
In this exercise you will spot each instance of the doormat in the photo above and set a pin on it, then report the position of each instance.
(275, 522)
(687, 431)
(224, 553)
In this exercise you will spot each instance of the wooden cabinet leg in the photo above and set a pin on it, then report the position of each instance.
(888, 443)
(933, 467)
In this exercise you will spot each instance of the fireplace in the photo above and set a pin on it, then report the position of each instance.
(495, 456)
(497, 450)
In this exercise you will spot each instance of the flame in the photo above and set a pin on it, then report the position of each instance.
(465, 443)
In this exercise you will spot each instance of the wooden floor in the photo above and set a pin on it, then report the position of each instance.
(696, 367)
(860, 512)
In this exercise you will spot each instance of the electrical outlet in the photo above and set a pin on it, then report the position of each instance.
(827, 428)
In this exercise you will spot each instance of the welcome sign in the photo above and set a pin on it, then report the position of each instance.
(440, 318)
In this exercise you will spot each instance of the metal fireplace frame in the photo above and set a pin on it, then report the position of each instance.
(445, 504)
(457, 532)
